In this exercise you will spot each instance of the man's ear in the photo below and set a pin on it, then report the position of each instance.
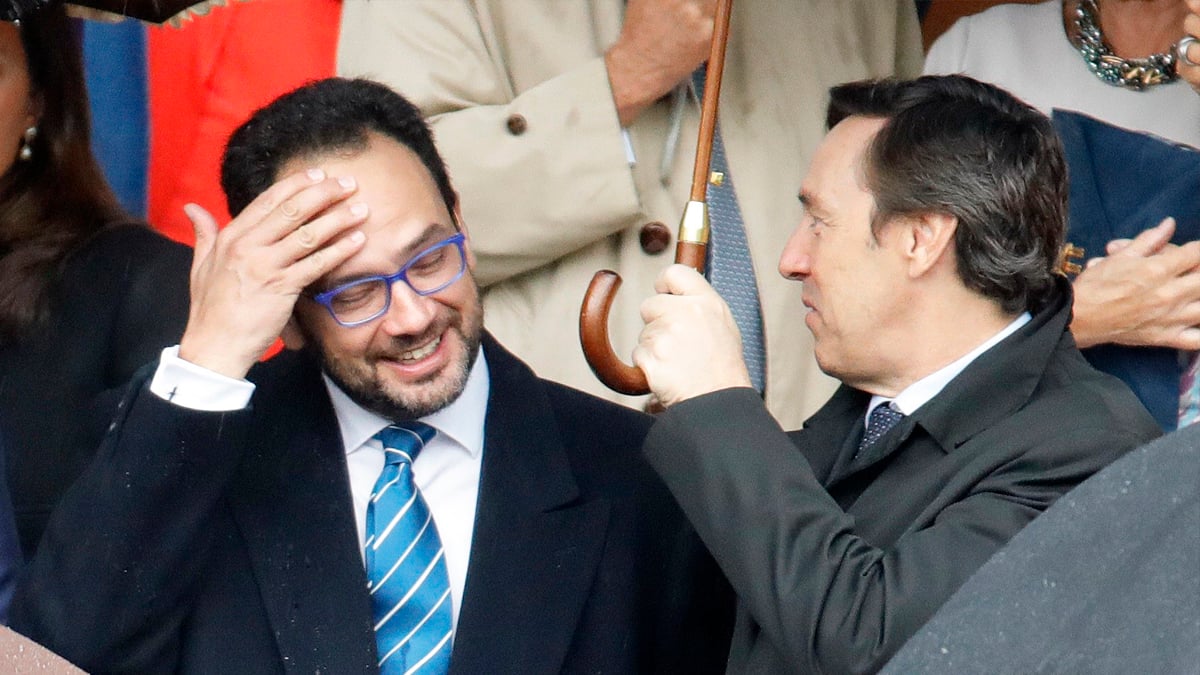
(929, 241)
(293, 336)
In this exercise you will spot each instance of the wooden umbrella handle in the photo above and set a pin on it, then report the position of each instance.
(691, 248)
(593, 335)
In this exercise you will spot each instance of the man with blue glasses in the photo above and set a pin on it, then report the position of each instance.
(395, 493)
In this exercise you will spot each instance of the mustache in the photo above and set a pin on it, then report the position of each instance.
(404, 343)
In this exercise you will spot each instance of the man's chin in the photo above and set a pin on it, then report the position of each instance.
(415, 401)
(386, 393)
(406, 393)
(828, 365)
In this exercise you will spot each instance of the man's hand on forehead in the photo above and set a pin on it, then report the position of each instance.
(246, 278)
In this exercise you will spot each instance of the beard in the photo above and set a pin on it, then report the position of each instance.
(364, 381)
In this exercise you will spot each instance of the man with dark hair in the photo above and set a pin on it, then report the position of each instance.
(388, 496)
(979, 155)
(934, 211)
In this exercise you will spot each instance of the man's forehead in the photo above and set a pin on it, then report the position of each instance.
(373, 148)
(317, 158)
(406, 212)
(847, 143)
(840, 157)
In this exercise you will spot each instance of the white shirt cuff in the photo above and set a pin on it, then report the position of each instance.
(188, 385)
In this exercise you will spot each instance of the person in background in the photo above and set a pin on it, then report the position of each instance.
(934, 215)
(1189, 46)
(1189, 69)
(87, 296)
(1117, 61)
(570, 128)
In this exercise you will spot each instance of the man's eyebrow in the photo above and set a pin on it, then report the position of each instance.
(433, 233)
(809, 201)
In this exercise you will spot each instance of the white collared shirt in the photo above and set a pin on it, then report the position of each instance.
(447, 471)
(923, 390)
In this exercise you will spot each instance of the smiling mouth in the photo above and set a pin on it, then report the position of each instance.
(422, 352)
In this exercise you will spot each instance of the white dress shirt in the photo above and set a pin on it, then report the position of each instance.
(923, 390)
(446, 471)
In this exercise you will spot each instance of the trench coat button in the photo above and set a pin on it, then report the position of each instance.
(516, 124)
(654, 237)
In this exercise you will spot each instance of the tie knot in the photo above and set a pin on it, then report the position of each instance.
(881, 420)
(402, 442)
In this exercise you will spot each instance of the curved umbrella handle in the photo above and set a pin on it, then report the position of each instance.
(593, 325)
(593, 335)
(692, 246)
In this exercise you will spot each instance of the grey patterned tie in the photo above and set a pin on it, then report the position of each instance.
(729, 267)
(881, 421)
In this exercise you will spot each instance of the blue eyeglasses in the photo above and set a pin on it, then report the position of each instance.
(428, 272)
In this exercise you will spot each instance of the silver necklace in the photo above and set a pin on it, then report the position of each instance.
(1137, 74)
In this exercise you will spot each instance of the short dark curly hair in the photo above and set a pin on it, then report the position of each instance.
(955, 145)
(325, 116)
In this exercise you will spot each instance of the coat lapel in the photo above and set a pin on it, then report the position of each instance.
(536, 545)
(293, 507)
(826, 435)
(851, 461)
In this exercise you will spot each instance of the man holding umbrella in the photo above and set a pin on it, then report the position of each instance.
(934, 215)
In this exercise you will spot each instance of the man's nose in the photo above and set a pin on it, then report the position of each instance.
(796, 260)
(409, 313)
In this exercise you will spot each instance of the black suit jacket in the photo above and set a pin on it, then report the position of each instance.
(836, 565)
(203, 542)
(1107, 581)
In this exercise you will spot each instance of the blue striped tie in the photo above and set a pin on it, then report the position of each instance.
(406, 568)
(729, 266)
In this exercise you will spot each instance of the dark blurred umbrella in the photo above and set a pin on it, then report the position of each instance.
(1107, 580)
(11, 10)
(153, 11)
(1123, 182)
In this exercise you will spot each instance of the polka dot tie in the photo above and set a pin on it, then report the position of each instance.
(882, 419)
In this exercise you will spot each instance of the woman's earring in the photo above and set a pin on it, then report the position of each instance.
(27, 147)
